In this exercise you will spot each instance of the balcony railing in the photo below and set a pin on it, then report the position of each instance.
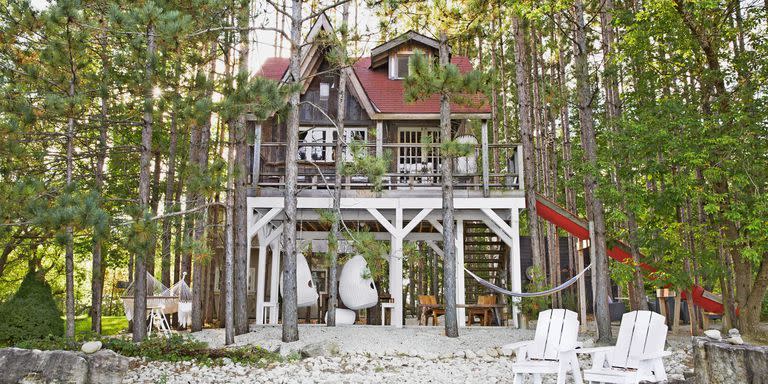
(409, 166)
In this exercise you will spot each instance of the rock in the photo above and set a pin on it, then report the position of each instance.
(482, 353)
(321, 348)
(492, 352)
(735, 340)
(91, 347)
(469, 354)
(34, 366)
(106, 366)
(445, 355)
(713, 334)
(720, 363)
(459, 354)
(284, 350)
(733, 332)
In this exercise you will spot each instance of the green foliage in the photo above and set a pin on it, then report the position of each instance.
(362, 163)
(426, 79)
(180, 348)
(531, 306)
(31, 313)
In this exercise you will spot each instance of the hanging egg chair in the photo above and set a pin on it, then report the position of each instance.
(466, 165)
(306, 292)
(182, 291)
(343, 316)
(356, 288)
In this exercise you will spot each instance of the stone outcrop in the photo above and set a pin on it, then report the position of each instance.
(35, 366)
(321, 348)
(717, 362)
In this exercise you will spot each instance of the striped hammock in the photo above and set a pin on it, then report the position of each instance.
(550, 291)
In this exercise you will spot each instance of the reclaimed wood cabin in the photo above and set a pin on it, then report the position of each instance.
(406, 204)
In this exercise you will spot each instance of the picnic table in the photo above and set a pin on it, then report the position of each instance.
(496, 308)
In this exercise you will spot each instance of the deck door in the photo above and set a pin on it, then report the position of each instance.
(416, 156)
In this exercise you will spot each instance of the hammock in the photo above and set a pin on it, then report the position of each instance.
(177, 298)
(550, 291)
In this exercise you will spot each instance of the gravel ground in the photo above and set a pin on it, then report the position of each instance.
(372, 354)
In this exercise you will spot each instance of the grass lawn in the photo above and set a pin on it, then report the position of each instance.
(110, 325)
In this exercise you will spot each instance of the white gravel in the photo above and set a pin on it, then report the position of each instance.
(371, 354)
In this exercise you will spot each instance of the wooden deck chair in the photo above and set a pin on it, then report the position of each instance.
(434, 312)
(552, 351)
(637, 355)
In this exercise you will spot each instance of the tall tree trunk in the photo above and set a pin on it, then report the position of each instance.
(200, 222)
(69, 251)
(242, 253)
(522, 82)
(290, 311)
(333, 249)
(97, 269)
(165, 257)
(589, 142)
(154, 207)
(140, 282)
(638, 300)
(449, 235)
(229, 242)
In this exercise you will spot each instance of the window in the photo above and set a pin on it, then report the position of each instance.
(400, 66)
(326, 135)
(351, 135)
(325, 91)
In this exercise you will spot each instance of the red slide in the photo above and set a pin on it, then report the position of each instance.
(579, 228)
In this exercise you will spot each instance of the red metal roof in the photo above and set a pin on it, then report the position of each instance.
(273, 68)
(386, 94)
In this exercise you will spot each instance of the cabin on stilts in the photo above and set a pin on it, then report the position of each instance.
(405, 206)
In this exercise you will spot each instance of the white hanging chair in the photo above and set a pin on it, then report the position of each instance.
(306, 291)
(184, 304)
(356, 288)
(466, 164)
(157, 296)
(343, 316)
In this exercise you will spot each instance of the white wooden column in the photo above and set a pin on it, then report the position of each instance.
(379, 138)
(261, 274)
(256, 163)
(484, 148)
(274, 310)
(248, 244)
(515, 266)
(461, 297)
(396, 269)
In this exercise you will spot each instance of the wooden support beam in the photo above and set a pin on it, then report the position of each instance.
(252, 230)
(256, 163)
(484, 149)
(415, 221)
(383, 221)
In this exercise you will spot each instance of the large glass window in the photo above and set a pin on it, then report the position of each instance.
(401, 62)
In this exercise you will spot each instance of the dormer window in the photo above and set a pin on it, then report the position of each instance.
(401, 65)
(325, 91)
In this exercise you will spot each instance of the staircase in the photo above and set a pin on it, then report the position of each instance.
(485, 255)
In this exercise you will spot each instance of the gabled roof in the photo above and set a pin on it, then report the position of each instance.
(387, 96)
(380, 52)
(380, 96)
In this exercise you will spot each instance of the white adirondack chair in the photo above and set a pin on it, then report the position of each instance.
(637, 355)
(552, 351)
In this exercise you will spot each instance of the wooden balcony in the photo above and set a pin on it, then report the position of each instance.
(410, 167)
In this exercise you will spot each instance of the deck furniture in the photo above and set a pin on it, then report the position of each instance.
(483, 311)
(552, 351)
(429, 307)
(637, 355)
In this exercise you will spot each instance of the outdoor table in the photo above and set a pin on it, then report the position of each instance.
(496, 310)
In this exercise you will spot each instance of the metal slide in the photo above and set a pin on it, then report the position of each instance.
(579, 228)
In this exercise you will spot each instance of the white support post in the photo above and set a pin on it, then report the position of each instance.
(484, 148)
(515, 266)
(379, 139)
(582, 286)
(396, 270)
(261, 274)
(461, 294)
(256, 163)
(274, 309)
(248, 244)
